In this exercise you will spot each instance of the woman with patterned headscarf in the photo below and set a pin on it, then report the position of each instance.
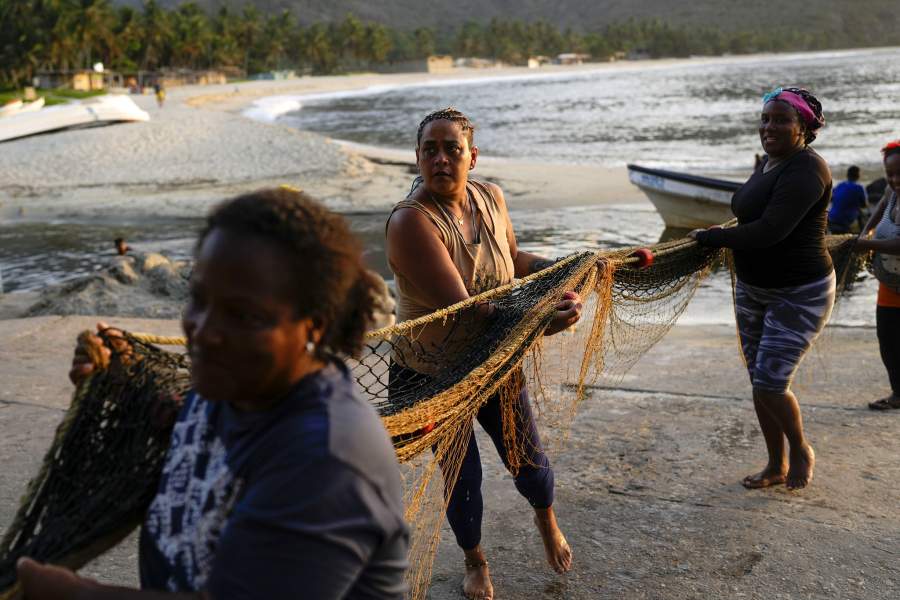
(785, 280)
(885, 243)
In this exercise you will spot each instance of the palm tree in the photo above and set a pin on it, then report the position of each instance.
(155, 36)
(249, 29)
(191, 35)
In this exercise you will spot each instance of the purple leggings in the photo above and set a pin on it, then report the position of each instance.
(534, 478)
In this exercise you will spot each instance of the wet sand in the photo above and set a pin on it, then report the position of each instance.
(648, 486)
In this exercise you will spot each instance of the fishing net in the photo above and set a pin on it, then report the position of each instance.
(427, 378)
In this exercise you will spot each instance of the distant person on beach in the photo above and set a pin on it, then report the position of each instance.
(885, 243)
(121, 247)
(280, 482)
(160, 93)
(847, 200)
(451, 239)
(785, 279)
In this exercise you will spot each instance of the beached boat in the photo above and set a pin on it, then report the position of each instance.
(10, 108)
(85, 113)
(17, 107)
(685, 201)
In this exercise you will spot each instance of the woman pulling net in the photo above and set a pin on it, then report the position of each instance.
(785, 279)
(279, 480)
(449, 240)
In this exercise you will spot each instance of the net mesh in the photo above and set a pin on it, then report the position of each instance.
(427, 378)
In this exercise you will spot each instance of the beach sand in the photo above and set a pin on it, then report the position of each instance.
(199, 148)
(647, 486)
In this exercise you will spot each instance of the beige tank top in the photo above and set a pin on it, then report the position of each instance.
(483, 265)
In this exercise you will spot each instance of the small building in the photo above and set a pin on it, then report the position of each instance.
(82, 80)
(274, 75)
(471, 62)
(639, 54)
(170, 78)
(571, 58)
(535, 62)
(433, 64)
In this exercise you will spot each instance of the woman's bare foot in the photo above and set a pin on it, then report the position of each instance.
(802, 464)
(559, 555)
(477, 580)
(766, 478)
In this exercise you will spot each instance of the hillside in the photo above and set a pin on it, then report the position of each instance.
(879, 17)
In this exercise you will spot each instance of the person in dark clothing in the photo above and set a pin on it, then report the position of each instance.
(885, 243)
(847, 200)
(785, 279)
(280, 482)
(121, 246)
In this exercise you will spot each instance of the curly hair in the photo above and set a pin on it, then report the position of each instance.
(333, 287)
(448, 114)
(809, 129)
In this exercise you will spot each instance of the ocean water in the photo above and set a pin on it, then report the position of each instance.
(694, 115)
(34, 255)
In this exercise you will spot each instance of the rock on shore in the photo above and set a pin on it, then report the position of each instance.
(143, 285)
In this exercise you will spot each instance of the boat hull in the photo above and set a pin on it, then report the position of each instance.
(685, 201)
(96, 111)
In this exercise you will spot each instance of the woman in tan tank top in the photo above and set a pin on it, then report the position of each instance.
(449, 240)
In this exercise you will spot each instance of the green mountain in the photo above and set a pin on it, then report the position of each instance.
(856, 19)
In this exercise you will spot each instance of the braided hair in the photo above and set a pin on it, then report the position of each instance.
(448, 114)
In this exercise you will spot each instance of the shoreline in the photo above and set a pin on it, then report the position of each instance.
(202, 147)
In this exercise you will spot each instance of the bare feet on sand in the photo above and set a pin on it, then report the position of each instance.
(768, 477)
(802, 464)
(477, 580)
(559, 555)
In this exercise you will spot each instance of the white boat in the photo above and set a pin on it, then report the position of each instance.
(17, 107)
(31, 106)
(112, 108)
(10, 108)
(685, 201)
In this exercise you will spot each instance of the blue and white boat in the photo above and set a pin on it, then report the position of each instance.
(685, 201)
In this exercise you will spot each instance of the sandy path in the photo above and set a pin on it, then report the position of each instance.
(647, 486)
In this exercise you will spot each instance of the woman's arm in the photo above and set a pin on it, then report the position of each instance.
(416, 251)
(882, 246)
(568, 311)
(48, 582)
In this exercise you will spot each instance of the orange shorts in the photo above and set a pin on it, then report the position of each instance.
(888, 297)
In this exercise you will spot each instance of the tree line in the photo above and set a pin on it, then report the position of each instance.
(73, 34)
